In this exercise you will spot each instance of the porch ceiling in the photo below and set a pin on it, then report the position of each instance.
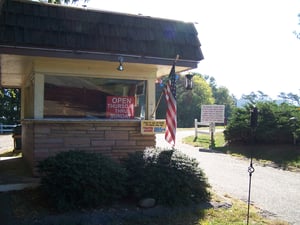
(14, 68)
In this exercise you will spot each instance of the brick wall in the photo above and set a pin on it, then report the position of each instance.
(44, 138)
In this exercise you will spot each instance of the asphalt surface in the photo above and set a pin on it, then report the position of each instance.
(6, 142)
(273, 190)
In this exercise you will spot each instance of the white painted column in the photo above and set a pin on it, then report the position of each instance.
(150, 98)
(39, 95)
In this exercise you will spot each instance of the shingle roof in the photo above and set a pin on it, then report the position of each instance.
(40, 25)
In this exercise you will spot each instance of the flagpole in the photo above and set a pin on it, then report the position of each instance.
(159, 100)
(155, 109)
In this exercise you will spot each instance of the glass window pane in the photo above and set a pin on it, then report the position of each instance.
(80, 97)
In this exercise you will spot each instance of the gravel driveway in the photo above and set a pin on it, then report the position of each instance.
(273, 190)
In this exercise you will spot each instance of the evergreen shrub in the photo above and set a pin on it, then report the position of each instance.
(76, 179)
(275, 124)
(168, 176)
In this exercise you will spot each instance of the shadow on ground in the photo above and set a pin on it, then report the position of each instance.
(14, 170)
(280, 156)
(29, 207)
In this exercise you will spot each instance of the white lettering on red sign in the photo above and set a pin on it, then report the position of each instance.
(120, 107)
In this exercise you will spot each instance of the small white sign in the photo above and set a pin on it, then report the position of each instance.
(212, 113)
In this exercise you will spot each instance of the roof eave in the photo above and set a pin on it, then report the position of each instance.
(91, 55)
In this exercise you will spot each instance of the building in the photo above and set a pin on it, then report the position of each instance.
(66, 62)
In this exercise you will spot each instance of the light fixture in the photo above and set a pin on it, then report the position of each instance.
(120, 67)
(188, 82)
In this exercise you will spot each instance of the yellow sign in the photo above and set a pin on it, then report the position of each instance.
(153, 126)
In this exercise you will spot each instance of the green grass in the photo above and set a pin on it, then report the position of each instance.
(235, 215)
(283, 156)
(204, 140)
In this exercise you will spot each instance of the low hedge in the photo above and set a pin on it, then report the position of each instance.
(77, 179)
(168, 176)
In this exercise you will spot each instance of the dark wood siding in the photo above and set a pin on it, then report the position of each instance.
(40, 25)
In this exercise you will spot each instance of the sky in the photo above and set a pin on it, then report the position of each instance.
(248, 45)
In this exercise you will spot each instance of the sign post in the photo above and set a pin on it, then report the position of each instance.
(212, 114)
(212, 127)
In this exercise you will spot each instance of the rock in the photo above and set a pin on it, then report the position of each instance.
(223, 205)
(147, 202)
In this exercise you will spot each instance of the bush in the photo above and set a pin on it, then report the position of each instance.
(274, 124)
(76, 179)
(166, 175)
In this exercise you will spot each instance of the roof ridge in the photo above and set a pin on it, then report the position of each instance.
(92, 9)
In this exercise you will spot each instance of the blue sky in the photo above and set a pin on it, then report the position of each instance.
(248, 45)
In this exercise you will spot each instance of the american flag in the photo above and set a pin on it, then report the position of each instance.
(171, 115)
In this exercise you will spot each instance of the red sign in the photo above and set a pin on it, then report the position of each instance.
(120, 107)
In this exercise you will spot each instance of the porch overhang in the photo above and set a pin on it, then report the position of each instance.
(16, 61)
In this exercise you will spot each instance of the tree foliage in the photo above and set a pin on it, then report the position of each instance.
(10, 101)
(255, 97)
(221, 95)
(64, 1)
(188, 101)
(276, 123)
(297, 34)
(290, 98)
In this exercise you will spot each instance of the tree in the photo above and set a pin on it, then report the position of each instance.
(188, 101)
(290, 97)
(64, 1)
(222, 96)
(275, 123)
(255, 97)
(10, 105)
(295, 32)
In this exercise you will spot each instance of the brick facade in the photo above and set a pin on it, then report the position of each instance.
(114, 138)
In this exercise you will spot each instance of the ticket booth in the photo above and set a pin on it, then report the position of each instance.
(87, 77)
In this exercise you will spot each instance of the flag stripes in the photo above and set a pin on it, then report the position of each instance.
(171, 113)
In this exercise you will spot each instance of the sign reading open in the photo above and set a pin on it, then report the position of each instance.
(120, 107)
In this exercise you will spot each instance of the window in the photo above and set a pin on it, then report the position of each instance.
(81, 97)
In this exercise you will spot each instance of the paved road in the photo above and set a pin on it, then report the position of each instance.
(273, 190)
(6, 142)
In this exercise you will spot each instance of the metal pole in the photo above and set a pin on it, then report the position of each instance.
(250, 171)
(253, 125)
(196, 128)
